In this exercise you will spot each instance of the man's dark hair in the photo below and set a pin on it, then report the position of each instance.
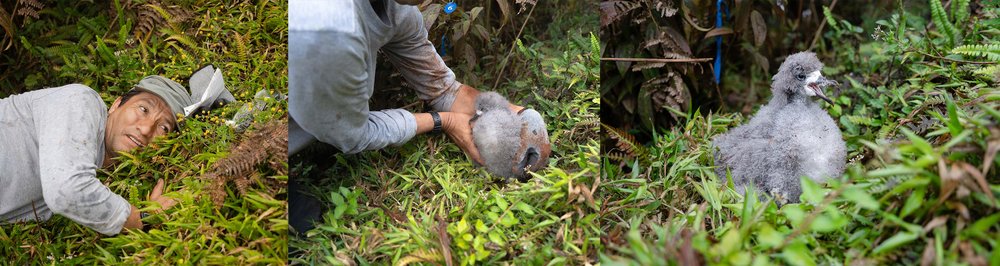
(128, 95)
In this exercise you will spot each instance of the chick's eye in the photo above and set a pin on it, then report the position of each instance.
(800, 76)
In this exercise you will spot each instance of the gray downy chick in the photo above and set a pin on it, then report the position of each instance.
(788, 138)
(508, 143)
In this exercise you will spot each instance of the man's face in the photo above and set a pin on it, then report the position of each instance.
(135, 123)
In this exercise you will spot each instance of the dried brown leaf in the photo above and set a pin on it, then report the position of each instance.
(949, 181)
(505, 10)
(992, 147)
(718, 32)
(444, 240)
(665, 8)
(929, 255)
(980, 180)
(612, 11)
(759, 28)
(970, 256)
(640, 66)
(937, 221)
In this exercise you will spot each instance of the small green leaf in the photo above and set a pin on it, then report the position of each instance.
(495, 237)
(794, 213)
(509, 220)
(917, 141)
(981, 227)
(822, 224)
(913, 202)
(953, 125)
(339, 211)
(524, 207)
(336, 199)
(768, 237)
(811, 192)
(730, 243)
(480, 226)
(860, 198)
(748, 206)
(502, 203)
(798, 254)
(462, 226)
(901, 238)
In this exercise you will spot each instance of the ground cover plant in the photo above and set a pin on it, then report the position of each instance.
(425, 203)
(231, 206)
(918, 109)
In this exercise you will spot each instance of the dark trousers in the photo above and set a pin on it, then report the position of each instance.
(303, 209)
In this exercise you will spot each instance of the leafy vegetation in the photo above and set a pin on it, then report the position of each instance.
(918, 109)
(424, 202)
(110, 47)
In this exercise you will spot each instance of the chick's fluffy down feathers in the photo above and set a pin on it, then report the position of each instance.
(788, 138)
(508, 142)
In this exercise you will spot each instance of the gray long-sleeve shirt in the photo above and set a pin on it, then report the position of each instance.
(51, 145)
(332, 47)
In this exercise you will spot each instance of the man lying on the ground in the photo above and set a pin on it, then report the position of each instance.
(52, 141)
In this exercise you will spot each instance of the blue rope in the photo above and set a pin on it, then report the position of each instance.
(718, 42)
(443, 46)
(448, 9)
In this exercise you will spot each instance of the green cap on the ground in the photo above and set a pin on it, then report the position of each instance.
(173, 93)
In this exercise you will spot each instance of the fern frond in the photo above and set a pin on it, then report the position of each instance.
(152, 16)
(241, 45)
(883, 133)
(618, 156)
(612, 11)
(990, 72)
(933, 100)
(960, 11)
(264, 146)
(942, 21)
(665, 8)
(626, 143)
(29, 8)
(829, 19)
(862, 120)
(990, 51)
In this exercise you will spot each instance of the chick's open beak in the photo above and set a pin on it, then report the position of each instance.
(818, 86)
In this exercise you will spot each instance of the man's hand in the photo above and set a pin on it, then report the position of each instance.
(459, 130)
(157, 196)
(465, 101)
(134, 220)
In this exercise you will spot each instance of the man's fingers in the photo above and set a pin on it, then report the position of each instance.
(515, 108)
(459, 129)
(157, 189)
(156, 195)
(166, 203)
(474, 154)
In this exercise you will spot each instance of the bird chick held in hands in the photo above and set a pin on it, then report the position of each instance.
(509, 143)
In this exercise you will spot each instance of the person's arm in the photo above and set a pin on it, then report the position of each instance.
(329, 91)
(419, 63)
(70, 126)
